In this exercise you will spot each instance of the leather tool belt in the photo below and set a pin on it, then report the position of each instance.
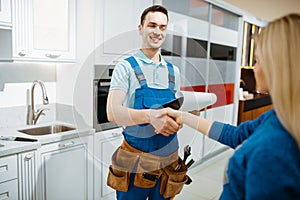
(147, 169)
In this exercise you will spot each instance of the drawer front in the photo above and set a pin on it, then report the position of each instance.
(8, 168)
(9, 190)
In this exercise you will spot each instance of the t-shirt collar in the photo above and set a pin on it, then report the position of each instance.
(139, 54)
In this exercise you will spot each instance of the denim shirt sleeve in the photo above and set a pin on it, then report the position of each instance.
(215, 130)
(234, 135)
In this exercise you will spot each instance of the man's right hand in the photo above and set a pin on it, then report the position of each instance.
(162, 122)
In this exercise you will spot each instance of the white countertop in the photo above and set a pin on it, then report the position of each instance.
(12, 147)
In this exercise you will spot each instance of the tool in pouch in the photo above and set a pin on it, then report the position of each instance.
(187, 153)
(150, 177)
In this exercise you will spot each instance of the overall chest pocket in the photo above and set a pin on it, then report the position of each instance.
(154, 102)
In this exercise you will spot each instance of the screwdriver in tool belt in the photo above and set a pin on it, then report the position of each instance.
(177, 168)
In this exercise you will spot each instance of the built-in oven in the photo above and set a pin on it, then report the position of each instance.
(100, 91)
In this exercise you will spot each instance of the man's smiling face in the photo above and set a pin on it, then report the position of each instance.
(153, 30)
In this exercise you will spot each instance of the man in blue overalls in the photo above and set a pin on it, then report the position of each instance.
(140, 84)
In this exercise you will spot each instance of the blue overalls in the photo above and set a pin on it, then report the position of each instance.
(143, 137)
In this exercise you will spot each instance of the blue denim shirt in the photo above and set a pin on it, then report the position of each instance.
(266, 162)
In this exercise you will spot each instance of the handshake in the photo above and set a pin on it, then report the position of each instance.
(167, 121)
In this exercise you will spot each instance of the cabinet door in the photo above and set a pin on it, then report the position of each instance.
(106, 142)
(119, 24)
(44, 30)
(5, 12)
(8, 178)
(27, 175)
(66, 170)
(121, 20)
(8, 168)
(9, 190)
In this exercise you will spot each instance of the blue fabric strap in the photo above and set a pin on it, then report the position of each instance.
(171, 76)
(141, 78)
(137, 70)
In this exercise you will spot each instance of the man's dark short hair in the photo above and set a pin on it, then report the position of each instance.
(155, 8)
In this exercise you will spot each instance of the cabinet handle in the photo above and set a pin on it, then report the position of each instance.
(3, 168)
(50, 55)
(116, 134)
(66, 145)
(28, 156)
(4, 195)
(22, 53)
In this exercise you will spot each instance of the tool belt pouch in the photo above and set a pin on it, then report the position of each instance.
(120, 169)
(172, 181)
(147, 173)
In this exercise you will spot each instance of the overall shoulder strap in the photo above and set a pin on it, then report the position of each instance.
(137, 70)
(171, 76)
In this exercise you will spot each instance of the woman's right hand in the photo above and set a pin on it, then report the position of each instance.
(162, 122)
(190, 119)
(175, 114)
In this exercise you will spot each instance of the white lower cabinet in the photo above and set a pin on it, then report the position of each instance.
(27, 175)
(9, 190)
(65, 170)
(105, 143)
(8, 178)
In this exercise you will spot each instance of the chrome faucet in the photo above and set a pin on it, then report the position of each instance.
(33, 116)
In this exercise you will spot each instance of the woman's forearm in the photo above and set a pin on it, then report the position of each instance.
(196, 122)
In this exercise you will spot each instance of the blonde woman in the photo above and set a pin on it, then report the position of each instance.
(266, 163)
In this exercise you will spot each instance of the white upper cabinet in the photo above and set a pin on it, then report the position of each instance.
(42, 31)
(116, 28)
(5, 13)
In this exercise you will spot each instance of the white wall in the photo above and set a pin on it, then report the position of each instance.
(15, 85)
(267, 9)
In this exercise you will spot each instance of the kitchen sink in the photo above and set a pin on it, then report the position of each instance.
(46, 130)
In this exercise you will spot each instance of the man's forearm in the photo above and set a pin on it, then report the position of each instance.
(128, 116)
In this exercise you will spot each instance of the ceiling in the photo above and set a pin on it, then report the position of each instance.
(267, 9)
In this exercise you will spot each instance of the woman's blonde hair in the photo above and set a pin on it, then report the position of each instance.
(278, 50)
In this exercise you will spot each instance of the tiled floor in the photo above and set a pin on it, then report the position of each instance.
(207, 179)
